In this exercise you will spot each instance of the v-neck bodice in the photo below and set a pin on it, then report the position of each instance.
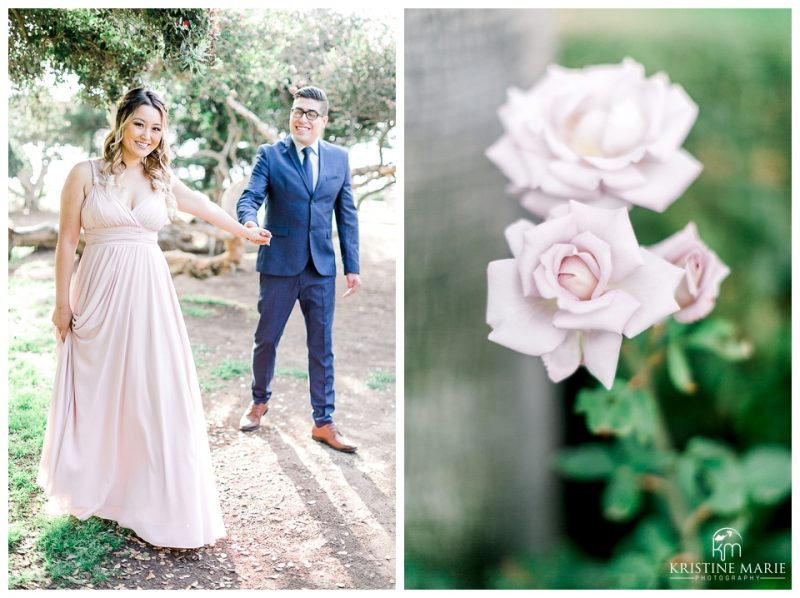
(104, 209)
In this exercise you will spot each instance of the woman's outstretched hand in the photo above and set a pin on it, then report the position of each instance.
(257, 235)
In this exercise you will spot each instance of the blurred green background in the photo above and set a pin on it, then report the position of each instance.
(736, 65)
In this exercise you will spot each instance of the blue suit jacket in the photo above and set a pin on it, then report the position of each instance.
(299, 219)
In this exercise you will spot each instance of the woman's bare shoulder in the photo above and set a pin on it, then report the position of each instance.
(80, 177)
(82, 172)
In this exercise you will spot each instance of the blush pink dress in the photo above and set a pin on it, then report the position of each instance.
(126, 434)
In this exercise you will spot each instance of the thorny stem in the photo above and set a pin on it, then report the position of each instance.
(685, 523)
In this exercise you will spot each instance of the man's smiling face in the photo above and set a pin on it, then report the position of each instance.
(304, 130)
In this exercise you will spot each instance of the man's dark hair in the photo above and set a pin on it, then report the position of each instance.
(313, 93)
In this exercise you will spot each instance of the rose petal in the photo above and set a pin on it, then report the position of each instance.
(611, 312)
(515, 235)
(545, 276)
(601, 252)
(666, 181)
(613, 227)
(560, 149)
(519, 323)
(575, 175)
(653, 285)
(716, 272)
(562, 362)
(681, 113)
(624, 129)
(625, 178)
(537, 240)
(674, 247)
(543, 205)
(601, 355)
(617, 162)
(584, 137)
(652, 96)
(553, 185)
(508, 159)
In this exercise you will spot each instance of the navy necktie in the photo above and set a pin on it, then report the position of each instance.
(307, 170)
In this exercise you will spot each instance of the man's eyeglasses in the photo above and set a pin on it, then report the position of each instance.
(311, 115)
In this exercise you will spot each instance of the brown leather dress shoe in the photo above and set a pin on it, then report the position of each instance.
(328, 434)
(251, 419)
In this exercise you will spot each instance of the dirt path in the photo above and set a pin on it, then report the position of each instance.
(298, 514)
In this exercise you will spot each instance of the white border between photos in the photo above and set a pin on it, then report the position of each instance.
(398, 8)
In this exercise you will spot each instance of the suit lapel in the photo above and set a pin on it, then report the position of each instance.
(292, 151)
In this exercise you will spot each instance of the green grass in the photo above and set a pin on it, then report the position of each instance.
(297, 373)
(195, 312)
(213, 301)
(211, 385)
(230, 369)
(191, 305)
(202, 349)
(57, 549)
(380, 380)
(15, 534)
(71, 546)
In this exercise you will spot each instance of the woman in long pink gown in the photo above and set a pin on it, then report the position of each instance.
(126, 435)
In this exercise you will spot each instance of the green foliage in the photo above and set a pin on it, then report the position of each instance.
(380, 380)
(230, 369)
(621, 411)
(678, 368)
(767, 474)
(195, 312)
(719, 337)
(197, 58)
(349, 56)
(190, 305)
(203, 300)
(296, 373)
(623, 496)
(420, 576)
(109, 50)
(15, 534)
(586, 462)
(71, 546)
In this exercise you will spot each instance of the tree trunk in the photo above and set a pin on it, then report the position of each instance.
(480, 419)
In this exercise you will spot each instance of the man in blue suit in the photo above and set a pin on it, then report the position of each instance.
(305, 181)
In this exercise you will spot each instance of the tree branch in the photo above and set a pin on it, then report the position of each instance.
(269, 133)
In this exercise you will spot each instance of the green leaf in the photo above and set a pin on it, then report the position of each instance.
(706, 449)
(717, 475)
(727, 481)
(586, 462)
(655, 537)
(621, 411)
(767, 474)
(678, 369)
(644, 458)
(635, 571)
(623, 496)
(719, 337)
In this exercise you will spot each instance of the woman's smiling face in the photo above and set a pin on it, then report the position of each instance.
(143, 132)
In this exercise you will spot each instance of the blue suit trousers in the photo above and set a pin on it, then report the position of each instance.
(277, 296)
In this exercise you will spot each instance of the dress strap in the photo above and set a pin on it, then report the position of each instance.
(95, 177)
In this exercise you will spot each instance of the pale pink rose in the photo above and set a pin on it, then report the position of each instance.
(604, 135)
(703, 272)
(576, 284)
